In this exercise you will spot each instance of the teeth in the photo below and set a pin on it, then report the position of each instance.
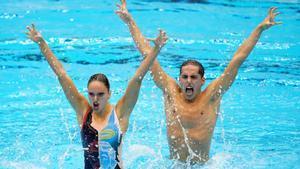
(189, 90)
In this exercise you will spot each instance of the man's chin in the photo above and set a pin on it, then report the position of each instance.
(189, 97)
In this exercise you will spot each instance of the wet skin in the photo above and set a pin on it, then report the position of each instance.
(191, 117)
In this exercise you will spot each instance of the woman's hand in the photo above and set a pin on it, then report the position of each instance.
(161, 39)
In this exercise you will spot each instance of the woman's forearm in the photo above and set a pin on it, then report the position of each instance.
(51, 58)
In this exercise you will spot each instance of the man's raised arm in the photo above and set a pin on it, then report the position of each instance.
(219, 86)
(161, 79)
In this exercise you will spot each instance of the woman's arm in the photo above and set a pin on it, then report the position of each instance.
(78, 102)
(126, 104)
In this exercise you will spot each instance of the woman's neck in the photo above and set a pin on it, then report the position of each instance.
(104, 113)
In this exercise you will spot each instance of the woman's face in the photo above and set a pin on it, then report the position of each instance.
(98, 95)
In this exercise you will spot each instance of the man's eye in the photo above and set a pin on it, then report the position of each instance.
(184, 76)
(194, 77)
(91, 94)
(100, 94)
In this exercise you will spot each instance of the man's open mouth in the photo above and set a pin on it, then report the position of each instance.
(189, 90)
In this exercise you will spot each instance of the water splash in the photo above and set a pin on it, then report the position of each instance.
(192, 154)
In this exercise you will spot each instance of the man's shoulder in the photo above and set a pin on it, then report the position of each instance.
(172, 88)
(206, 97)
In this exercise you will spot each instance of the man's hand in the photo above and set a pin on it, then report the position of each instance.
(123, 12)
(161, 39)
(33, 34)
(269, 20)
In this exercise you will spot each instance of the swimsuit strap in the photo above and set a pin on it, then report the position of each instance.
(87, 116)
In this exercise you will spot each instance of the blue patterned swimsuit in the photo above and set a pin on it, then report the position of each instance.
(110, 139)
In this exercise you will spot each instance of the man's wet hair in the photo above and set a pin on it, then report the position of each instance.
(195, 63)
(100, 78)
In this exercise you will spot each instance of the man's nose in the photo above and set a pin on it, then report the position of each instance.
(95, 98)
(189, 80)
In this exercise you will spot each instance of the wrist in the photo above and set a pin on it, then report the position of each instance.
(261, 27)
(41, 41)
(129, 20)
(157, 47)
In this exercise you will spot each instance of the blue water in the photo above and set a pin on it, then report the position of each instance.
(259, 124)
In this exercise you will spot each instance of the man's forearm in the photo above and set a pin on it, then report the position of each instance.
(140, 41)
(248, 45)
(245, 49)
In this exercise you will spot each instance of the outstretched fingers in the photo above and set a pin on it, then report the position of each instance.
(123, 5)
(118, 6)
(161, 32)
(277, 13)
(123, 2)
(164, 34)
(272, 9)
(273, 14)
(277, 23)
(33, 26)
(162, 38)
(151, 39)
(29, 28)
(269, 21)
(118, 11)
(122, 10)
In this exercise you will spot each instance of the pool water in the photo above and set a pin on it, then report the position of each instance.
(259, 122)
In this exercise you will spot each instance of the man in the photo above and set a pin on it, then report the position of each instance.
(190, 111)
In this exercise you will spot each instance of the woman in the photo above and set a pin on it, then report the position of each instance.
(97, 118)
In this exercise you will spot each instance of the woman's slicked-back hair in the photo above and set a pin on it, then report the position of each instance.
(101, 78)
(195, 63)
